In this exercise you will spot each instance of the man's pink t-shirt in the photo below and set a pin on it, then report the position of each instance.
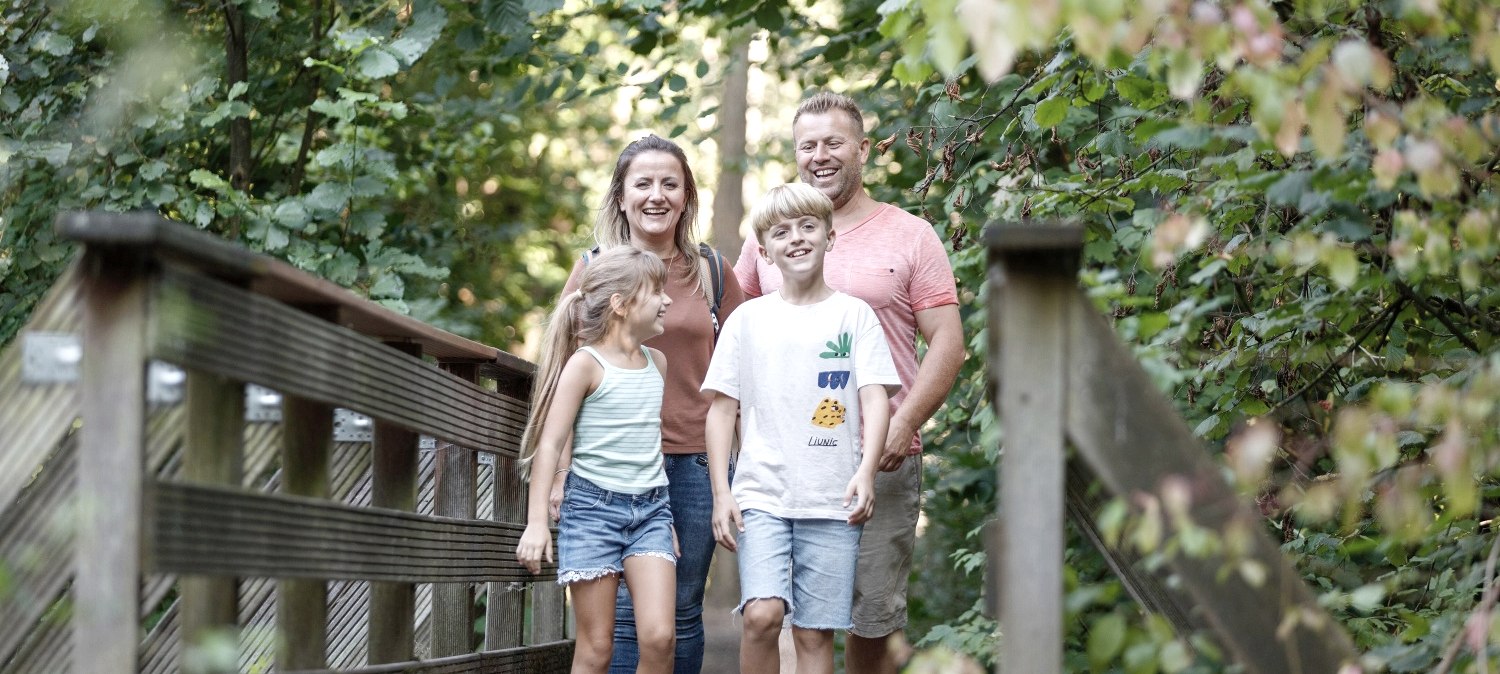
(894, 262)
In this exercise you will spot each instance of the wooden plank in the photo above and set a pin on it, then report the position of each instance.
(1133, 439)
(393, 485)
(302, 604)
(36, 416)
(216, 327)
(1028, 326)
(214, 257)
(212, 455)
(548, 658)
(452, 617)
(111, 465)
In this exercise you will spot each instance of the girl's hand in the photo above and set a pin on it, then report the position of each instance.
(555, 499)
(727, 522)
(536, 543)
(676, 544)
(861, 487)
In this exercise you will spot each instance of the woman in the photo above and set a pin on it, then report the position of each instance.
(652, 204)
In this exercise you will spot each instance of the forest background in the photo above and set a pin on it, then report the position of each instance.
(1290, 211)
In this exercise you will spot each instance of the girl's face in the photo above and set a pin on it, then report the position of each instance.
(653, 197)
(646, 314)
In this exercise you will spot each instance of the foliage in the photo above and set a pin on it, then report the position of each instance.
(1290, 215)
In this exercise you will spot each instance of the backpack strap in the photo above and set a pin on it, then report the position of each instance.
(716, 273)
(589, 255)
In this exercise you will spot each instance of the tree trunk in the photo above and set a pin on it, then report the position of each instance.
(729, 198)
(236, 51)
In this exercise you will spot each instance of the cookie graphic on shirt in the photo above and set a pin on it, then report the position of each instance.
(830, 414)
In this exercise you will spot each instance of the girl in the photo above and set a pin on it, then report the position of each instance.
(615, 518)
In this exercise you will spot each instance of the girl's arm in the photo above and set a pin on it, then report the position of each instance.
(718, 434)
(875, 415)
(579, 376)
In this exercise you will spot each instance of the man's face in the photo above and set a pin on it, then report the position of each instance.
(831, 154)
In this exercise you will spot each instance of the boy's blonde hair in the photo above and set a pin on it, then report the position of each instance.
(582, 317)
(788, 201)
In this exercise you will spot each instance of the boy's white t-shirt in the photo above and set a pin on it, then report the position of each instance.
(796, 372)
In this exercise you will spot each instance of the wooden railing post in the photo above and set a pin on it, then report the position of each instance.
(306, 448)
(394, 485)
(211, 455)
(1038, 267)
(111, 464)
(454, 474)
(506, 607)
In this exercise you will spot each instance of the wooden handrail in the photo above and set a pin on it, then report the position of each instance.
(152, 289)
(1065, 379)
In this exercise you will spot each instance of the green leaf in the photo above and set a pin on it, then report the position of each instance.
(1050, 112)
(1137, 91)
(376, 63)
(1106, 638)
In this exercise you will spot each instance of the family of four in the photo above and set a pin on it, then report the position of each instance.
(806, 351)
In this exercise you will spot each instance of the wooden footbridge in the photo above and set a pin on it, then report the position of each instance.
(211, 461)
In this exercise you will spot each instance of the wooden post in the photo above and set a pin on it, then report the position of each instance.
(505, 610)
(1028, 330)
(211, 455)
(453, 603)
(306, 448)
(111, 464)
(393, 485)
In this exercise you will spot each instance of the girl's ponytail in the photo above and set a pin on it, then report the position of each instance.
(558, 343)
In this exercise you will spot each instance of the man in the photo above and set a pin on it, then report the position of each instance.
(895, 262)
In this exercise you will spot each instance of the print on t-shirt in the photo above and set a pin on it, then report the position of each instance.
(830, 412)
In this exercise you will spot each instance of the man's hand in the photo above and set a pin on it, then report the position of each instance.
(897, 444)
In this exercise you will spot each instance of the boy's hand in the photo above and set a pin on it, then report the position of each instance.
(535, 543)
(861, 487)
(727, 522)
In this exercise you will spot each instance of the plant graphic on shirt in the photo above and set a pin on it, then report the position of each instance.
(839, 350)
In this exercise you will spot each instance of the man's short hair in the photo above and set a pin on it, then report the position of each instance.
(786, 202)
(825, 101)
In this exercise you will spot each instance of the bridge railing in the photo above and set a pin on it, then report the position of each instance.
(1064, 379)
(149, 292)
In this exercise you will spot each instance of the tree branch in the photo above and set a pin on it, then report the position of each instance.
(1441, 316)
(1390, 312)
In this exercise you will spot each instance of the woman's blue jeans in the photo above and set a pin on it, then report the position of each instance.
(692, 502)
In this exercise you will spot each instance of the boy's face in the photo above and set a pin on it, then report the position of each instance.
(797, 245)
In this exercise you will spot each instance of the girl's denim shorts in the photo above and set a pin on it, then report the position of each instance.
(806, 563)
(599, 528)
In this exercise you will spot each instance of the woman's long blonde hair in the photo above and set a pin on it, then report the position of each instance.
(583, 317)
(612, 229)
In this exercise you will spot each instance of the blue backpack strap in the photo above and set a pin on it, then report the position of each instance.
(589, 255)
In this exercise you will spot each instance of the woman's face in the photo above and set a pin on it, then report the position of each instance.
(654, 194)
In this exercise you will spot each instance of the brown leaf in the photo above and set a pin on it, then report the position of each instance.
(884, 145)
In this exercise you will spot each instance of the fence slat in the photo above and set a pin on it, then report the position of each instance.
(211, 455)
(454, 496)
(548, 658)
(301, 603)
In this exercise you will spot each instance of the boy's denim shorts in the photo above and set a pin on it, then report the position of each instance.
(808, 563)
(600, 528)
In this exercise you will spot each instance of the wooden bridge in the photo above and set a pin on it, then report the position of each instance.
(211, 461)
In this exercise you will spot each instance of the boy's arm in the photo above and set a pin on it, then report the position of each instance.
(718, 434)
(875, 416)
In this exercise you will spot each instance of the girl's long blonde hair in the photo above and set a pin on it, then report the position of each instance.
(583, 317)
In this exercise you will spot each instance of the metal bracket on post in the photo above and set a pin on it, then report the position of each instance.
(164, 384)
(262, 405)
(50, 357)
(351, 426)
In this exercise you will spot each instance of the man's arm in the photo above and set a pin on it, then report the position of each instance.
(944, 332)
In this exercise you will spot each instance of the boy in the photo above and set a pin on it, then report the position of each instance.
(809, 372)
